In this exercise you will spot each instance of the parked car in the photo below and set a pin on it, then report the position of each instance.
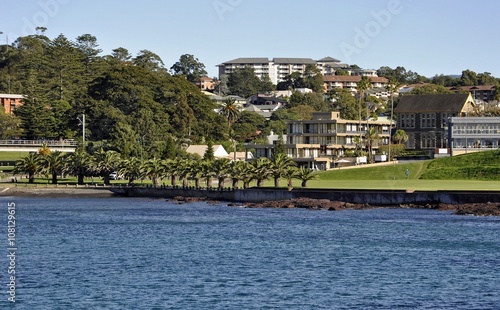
(115, 176)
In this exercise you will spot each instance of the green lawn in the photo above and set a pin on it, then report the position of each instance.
(477, 171)
(12, 155)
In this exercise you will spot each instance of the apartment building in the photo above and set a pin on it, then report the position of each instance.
(318, 142)
(350, 82)
(278, 68)
(10, 102)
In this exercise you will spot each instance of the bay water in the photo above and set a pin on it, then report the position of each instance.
(138, 253)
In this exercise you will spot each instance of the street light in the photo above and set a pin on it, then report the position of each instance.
(82, 122)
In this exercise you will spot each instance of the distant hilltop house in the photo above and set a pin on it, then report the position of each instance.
(264, 105)
(206, 83)
(480, 92)
(425, 118)
(10, 102)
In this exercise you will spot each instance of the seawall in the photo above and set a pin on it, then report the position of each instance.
(373, 197)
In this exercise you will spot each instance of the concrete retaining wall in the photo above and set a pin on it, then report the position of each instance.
(378, 197)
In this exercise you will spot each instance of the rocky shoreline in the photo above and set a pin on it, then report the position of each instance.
(478, 209)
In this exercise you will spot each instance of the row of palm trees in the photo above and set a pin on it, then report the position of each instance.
(180, 172)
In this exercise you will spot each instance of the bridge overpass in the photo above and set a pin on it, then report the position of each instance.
(35, 145)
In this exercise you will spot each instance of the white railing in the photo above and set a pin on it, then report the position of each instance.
(53, 143)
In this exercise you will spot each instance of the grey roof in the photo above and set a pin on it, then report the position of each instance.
(252, 108)
(328, 59)
(304, 61)
(432, 103)
(256, 60)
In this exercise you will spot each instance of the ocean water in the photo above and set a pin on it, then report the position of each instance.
(134, 253)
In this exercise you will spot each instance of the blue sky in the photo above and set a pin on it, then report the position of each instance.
(426, 36)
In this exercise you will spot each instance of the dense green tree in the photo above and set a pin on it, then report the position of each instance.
(248, 126)
(344, 102)
(243, 82)
(430, 89)
(189, 67)
(154, 169)
(10, 126)
(148, 60)
(209, 152)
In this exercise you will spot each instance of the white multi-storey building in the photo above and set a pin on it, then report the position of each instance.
(278, 68)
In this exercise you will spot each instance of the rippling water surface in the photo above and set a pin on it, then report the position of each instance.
(122, 253)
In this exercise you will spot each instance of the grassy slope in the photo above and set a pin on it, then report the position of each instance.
(477, 171)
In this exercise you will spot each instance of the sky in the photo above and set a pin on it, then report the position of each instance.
(425, 36)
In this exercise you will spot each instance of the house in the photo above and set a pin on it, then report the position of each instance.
(350, 82)
(11, 102)
(318, 142)
(200, 149)
(479, 92)
(473, 134)
(424, 118)
(206, 83)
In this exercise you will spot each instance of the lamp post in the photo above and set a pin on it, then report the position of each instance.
(82, 122)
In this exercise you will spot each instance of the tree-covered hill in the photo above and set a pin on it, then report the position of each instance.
(132, 102)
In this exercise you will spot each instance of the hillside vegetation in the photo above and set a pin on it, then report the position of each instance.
(483, 166)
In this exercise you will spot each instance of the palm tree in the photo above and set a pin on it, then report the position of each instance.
(105, 162)
(30, 164)
(221, 170)
(261, 170)
(195, 170)
(371, 137)
(183, 170)
(279, 164)
(78, 163)
(362, 86)
(53, 163)
(289, 174)
(230, 111)
(131, 169)
(207, 172)
(237, 172)
(305, 174)
(400, 136)
(248, 175)
(392, 87)
(154, 169)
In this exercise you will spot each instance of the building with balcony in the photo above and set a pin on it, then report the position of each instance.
(473, 134)
(10, 102)
(318, 142)
(278, 68)
(479, 92)
(350, 82)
